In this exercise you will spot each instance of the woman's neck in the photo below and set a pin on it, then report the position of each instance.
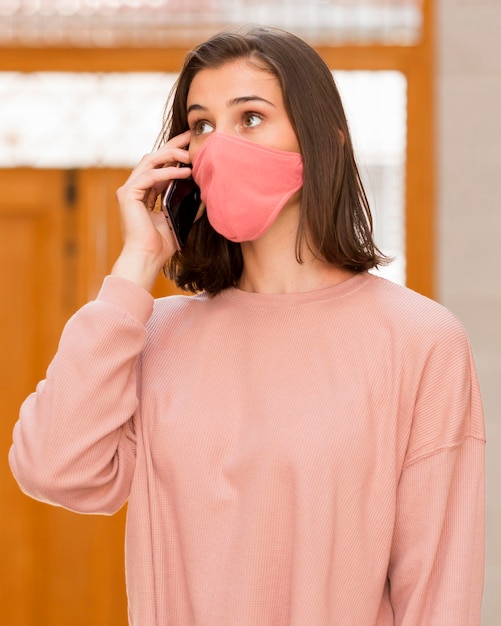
(270, 266)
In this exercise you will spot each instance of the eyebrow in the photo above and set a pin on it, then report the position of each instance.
(233, 102)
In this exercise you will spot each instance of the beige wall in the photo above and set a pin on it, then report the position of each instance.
(469, 220)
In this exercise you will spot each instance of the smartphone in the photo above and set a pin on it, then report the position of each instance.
(180, 204)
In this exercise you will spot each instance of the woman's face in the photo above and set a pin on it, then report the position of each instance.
(239, 99)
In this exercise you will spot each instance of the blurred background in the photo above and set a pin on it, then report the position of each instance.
(83, 85)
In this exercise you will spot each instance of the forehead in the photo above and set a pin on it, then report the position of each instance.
(241, 77)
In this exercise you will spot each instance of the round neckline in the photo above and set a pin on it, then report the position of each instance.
(277, 300)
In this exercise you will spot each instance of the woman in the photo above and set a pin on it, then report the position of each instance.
(299, 443)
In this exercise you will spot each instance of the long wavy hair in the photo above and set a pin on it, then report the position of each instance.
(335, 217)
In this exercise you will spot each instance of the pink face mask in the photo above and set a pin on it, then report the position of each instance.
(244, 184)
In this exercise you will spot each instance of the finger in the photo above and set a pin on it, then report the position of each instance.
(175, 148)
(155, 180)
(160, 179)
(180, 141)
(170, 153)
(150, 198)
(164, 157)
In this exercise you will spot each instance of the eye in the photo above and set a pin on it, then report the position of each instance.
(252, 119)
(201, 127)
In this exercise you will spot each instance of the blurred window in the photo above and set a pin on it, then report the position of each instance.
(168, 22)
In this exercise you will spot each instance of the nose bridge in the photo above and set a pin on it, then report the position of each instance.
(227, 120)
(226, 126)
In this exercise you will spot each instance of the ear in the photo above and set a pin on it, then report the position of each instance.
(341, 135)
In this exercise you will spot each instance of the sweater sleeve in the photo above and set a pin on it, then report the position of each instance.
(74, 442)
(437, 560)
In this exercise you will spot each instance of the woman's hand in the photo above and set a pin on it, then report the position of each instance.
(148, 240)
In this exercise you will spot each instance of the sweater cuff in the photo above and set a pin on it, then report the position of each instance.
(127, 295)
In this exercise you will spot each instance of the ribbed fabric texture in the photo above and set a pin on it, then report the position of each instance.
(305, 459)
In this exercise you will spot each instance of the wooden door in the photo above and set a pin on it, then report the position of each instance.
(59, 235)
(31, 211)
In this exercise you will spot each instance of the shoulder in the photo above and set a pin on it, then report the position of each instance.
(435, 368)
(172, 311)
(412, 313)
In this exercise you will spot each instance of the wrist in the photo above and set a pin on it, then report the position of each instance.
(138, 268)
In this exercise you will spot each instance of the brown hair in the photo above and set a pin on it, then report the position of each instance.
(335, 212)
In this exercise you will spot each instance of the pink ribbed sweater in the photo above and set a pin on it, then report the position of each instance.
(310, 459)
